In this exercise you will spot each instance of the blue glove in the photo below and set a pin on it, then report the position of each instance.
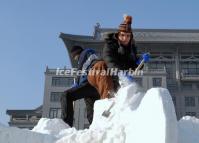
(146, 57)
(129, 78)
(125, 79)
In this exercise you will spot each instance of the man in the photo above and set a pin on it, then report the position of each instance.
(119, 53)
(82, 89)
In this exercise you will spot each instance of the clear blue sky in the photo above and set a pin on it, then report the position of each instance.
(29, 31)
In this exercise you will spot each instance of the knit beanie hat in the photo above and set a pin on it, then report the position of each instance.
(125, 26)
(76, 50)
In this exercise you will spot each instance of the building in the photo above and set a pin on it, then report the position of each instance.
(174, 65)
(25, 119)
(176, 51)
(55, 85)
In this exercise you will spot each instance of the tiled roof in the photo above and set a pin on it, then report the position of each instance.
(143, 35)
(161, 35)
(36, 111)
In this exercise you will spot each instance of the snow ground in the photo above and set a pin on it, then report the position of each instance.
(136, 117)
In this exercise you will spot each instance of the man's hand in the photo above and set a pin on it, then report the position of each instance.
(146, 57)
(125, 79)
(129, 77)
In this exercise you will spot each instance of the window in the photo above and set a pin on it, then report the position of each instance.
(55, 113)
(190, 113)
(168, 56)
(187, 86)
(156, 65)
(19, 117)
(163, 55)
(157, 82)
(62, 81)
(161, 65)
(190, 68)
(55, 96)
(190, 101)
(172, 85)
(185, 55)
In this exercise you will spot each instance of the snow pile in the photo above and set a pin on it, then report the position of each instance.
(15, 135)
(136, 117)
(52, 127)
(139, 118)
(188, 130)
(2, 125)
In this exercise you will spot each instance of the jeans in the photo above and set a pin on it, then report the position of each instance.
(86, 91)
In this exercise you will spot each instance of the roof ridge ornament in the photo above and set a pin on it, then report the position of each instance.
(96, 33)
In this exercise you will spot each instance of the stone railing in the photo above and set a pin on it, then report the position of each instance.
(189, 76)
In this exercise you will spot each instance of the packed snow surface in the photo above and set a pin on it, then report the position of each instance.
(136, 117)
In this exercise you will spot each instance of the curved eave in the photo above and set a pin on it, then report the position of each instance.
(153, 30)
(79, 38)
(22, 112)
(160, 35)
(70, 40)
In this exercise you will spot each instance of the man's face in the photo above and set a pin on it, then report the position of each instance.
(124, 38)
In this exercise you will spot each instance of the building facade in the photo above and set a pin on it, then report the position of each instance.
(25, 119)
(174, 65)
(55, 85)
(176, 51)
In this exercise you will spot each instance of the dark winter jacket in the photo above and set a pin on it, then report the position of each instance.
(118, 56)
(86, 60)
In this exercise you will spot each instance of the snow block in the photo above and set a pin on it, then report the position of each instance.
(136, 117)
(140, 118)
(15, 135)
(154, 120)
(188, 128)
(52, 127)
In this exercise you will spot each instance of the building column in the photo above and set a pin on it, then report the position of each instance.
(177, 63)
(27, 117)
(11, 118)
